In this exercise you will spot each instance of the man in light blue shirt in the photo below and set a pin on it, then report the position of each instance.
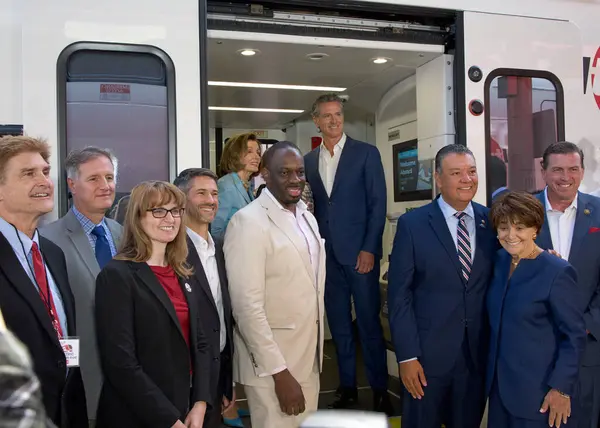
(89, 241)
(35, 296)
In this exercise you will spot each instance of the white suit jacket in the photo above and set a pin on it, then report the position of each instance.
(277, 302)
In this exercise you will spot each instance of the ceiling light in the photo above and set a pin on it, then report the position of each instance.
(276, 86)
(259, 110)
(380, 60)
(248, 52)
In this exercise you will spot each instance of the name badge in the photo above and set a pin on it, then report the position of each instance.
(70, 347)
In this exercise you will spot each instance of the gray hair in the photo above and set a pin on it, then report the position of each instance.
(187, 175)
(326, 98)
(80, 156)
(458, 149)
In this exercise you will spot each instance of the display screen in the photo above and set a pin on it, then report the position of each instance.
(413, 178)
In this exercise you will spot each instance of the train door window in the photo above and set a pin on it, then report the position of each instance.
(524, 115)
(121, 98)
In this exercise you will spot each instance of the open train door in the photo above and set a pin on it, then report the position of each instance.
(523, 88)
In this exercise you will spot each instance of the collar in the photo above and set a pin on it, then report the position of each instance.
(339, 146)
(448, 211)
(200, 242)
(549, 206)
(87, 224)
(12, 235)
(301, 207)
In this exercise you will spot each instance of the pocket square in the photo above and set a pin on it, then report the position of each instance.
(594, 229)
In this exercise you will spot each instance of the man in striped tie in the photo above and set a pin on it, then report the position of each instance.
(440, 268)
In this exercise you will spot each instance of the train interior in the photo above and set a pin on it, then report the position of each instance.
(267, 86)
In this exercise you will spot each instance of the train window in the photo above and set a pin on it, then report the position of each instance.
(524, 115)
(119, 97)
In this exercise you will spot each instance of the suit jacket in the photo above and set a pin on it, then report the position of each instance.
(27, 317)
(143, 352)
(537, 331)
(277, 304)
(358, 201)
(83, 269)
(20, 395)
(429, 303)
(232, 197)
(585, 258)
(220, 371)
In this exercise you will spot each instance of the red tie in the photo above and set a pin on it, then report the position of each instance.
(42, 281)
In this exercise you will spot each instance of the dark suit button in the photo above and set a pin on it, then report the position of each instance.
(216, 358)
(61, 364)
(216, 330)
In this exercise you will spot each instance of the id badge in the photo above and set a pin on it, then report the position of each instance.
(70, 346)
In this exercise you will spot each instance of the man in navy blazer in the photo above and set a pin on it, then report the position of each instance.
(440, 269)
(572, 228)
(350, 202)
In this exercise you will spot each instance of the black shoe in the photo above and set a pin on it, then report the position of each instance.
(338, 391)
(348, 399)
(382, 403)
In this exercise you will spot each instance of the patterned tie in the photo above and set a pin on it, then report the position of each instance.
(41, 278)
(103, 253)
(464, 245)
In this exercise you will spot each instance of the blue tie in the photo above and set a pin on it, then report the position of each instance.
(103, 253)
(464, 245)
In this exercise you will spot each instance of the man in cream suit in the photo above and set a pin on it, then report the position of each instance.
(89, 241)
(275, 261)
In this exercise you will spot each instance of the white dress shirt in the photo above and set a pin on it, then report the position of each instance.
(303, 229)
(452, 222)
(206, 253)
(561, 225)
(328, 164)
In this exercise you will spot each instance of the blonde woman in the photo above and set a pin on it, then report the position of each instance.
(152, 348)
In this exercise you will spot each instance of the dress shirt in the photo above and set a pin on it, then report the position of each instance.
(88, 226)
(328, 164)
(561, 225)
(300, 225)
(26, 259)
(206, 253)
(452, 222)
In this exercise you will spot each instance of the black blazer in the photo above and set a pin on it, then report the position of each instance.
(143, 353)
(27, 317)
(221, 371)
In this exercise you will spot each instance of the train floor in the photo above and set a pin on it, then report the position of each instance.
(330, 382)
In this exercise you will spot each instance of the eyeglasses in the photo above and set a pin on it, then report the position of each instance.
(162, 212)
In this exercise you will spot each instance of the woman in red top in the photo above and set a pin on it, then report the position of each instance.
(152, 348)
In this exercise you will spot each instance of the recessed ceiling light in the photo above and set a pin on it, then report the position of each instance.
(248, 52)
(276, 86)
(380, 60)
(259, 110)
(317, 56)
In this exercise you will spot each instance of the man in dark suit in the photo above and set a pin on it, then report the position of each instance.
(206, 257)
(572, 228)
(35, 296)
(348, 184)
(20, 395)
(440, 268)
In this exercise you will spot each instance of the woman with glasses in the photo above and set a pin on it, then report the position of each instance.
(152, 348)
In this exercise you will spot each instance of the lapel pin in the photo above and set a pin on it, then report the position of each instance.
(188, 288)
(482, 223)
(587, 212)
